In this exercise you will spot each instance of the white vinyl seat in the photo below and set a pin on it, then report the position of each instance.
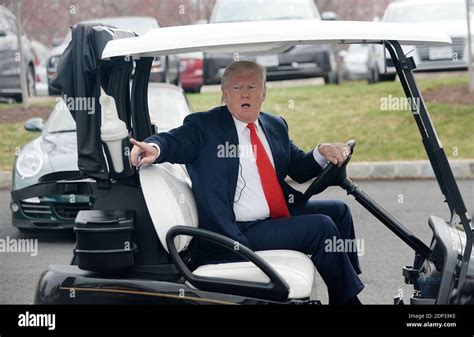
(296, 268)
(170, 202)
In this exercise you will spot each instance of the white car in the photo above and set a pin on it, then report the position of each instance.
(356, 61)
(448, 15)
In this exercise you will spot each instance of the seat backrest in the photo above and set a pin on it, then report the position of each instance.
(169, 199)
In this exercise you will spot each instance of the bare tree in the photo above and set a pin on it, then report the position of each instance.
(19, 36)
(121, 8)
(469, 8)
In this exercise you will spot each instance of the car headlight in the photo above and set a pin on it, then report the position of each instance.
(29, 162)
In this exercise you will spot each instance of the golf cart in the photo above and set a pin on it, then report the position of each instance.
(133, 247)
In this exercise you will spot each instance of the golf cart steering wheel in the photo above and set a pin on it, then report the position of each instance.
(332, 175)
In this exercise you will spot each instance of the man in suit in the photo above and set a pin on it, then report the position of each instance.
(237, 158)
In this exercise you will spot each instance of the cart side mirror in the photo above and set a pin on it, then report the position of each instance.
(34, 124)
(329, 16)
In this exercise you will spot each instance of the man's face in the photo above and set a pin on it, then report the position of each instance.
(244, 94)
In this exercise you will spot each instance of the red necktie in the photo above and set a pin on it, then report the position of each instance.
(271, 186)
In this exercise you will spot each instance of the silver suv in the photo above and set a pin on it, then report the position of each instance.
(295, 62)
(449, 15)
(10, 85)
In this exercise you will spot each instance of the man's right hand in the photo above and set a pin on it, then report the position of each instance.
(143, 153)
(336, 153)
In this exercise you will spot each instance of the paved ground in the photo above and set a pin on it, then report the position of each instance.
(384, 254)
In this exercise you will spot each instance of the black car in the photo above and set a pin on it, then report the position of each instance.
(296, 62)
(10, 85)
(164, 68)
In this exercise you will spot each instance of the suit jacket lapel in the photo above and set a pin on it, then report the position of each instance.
(230, 139)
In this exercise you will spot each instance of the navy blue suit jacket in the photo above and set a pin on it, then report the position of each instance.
(196, 144)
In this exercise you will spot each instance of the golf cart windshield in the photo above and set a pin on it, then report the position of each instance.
(60, 120)
(162, 102)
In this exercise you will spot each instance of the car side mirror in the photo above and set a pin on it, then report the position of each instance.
(35, 124)
(3, 33)
(329, 16)
(56, 42)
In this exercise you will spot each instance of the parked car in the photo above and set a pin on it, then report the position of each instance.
(356, 62)
(164, 68)
(10, 84)
(42, 54)
(55, 150)
(191, 71)
(448, 14)
(294, 62)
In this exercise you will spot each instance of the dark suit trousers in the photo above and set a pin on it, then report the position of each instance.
(310, 228)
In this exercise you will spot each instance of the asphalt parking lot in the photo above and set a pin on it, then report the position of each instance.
(410, 201)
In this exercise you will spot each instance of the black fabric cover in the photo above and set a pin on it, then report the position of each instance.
(79, 75)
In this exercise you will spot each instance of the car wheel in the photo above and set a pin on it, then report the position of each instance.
(167, 75)
(30, 82)
(30, 86)
(373, 76)
(193, 90)
(389, 77)
(52, 91)
(332, 78)
(177, 82)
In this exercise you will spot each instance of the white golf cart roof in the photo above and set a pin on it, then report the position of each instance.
(268, 37)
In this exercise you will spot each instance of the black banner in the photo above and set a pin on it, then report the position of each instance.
(57, 320)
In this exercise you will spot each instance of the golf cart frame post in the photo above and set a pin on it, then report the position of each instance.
(434, 149)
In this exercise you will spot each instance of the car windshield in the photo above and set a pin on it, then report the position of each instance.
(436, 12)
(247, 10)
(7, 20)
(60, 120)
(167, 108)
(358, 48)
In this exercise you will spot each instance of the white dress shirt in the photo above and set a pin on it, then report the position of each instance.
(249, 200)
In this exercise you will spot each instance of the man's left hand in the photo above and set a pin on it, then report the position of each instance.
(336, 153)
